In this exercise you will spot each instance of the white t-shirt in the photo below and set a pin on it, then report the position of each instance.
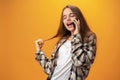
(64, 63)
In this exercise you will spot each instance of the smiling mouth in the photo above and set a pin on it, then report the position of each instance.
(68, 24)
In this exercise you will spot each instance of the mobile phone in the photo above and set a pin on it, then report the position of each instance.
(77, 19)
(74, 23)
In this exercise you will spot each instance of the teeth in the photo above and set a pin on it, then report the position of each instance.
(69, 24)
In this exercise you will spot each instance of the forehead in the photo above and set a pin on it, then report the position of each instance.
(67, 11)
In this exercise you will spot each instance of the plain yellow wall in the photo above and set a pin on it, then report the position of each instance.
(24, 21)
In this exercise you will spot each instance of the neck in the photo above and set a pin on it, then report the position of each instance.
(70, 37)
(72, 32)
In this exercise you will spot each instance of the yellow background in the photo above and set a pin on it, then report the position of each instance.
(24, 21)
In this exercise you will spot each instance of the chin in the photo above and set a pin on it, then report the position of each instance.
(70, 30)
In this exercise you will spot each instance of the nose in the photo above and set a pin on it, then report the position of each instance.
(68, 18)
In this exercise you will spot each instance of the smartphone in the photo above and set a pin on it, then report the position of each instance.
(77, 19)
(74, 23)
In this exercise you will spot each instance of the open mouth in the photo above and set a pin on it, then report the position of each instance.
(69, 24)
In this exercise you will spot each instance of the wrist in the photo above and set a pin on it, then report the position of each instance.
(38, 51)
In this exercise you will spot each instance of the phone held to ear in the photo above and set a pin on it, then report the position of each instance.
(74, 23)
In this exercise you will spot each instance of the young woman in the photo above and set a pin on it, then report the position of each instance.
(75, 50)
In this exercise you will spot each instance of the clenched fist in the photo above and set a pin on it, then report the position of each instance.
(39, 44)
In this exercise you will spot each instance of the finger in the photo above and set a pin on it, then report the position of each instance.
(78, 21)
(74, 21)
(39, 42)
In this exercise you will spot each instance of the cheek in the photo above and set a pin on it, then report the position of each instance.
(73, 18)
(64, 22)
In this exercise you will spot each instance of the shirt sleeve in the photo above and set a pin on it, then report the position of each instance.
(44, 62)
(83, 53)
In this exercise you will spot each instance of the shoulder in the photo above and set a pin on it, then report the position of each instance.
(90, 36)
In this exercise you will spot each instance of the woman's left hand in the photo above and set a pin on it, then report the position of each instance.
(77, 26)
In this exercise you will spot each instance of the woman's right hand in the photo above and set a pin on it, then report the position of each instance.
(39, 44)
(77, 26)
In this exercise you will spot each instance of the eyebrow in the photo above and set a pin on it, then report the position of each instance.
(70, 13)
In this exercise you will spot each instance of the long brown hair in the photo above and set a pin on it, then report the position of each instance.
(84, 28)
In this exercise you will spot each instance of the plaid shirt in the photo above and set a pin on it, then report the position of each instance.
(83, 54)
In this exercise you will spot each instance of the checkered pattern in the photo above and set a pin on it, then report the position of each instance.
(83, 54)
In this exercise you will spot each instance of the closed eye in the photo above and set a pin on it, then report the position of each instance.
(64, 16)
(72, 15)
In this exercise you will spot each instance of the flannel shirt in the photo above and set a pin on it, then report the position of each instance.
(83, 55)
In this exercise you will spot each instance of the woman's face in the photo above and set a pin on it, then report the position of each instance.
(68, 17)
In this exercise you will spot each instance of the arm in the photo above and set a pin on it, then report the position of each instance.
(44, 61)
(83, 53)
